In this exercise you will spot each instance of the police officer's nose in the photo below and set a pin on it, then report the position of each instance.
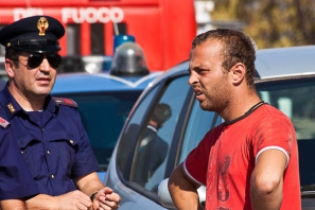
(45, 66)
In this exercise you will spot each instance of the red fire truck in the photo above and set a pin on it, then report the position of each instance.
(163, 28)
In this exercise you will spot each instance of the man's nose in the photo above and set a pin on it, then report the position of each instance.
(45, 66)
(192, 78)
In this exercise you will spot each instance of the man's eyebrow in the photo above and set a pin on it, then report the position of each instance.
(196, 68)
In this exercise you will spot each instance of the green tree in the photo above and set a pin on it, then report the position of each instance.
(270, 23)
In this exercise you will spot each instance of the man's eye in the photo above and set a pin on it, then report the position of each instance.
(201, 71)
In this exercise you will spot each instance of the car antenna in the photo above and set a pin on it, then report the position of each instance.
(116, 30)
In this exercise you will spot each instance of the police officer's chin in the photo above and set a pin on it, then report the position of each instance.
(43, 91)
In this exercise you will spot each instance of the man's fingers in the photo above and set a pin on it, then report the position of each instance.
(113, 197)
(109, 206)
(82, 206)
(108, 190)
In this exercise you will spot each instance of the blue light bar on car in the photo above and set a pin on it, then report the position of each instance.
(120, 39)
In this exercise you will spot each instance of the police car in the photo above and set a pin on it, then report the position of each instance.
(105, 99)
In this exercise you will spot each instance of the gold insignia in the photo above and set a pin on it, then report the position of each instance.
(11, 108)
(9, 44)
(42, 25)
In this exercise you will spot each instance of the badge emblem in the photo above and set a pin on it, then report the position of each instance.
(11, 108)
(42, 25)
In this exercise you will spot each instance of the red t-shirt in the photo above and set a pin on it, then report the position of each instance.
(224, 160)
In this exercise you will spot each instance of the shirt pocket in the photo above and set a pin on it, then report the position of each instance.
(33, 152)
(63, 149)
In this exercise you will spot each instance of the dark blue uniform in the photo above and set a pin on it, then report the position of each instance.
(15, 179)
(53, 142)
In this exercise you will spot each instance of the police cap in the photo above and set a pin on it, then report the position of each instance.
(37, 34)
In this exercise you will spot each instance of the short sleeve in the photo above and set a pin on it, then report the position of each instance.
(85, 161)
(274, 132)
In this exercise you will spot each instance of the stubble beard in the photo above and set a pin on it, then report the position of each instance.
(217, 101)
(208, 104)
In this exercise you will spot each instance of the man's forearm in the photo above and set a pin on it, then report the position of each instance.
(266, 199)
(89, 184)
(183, 192)
(12, 204)
(41, 202)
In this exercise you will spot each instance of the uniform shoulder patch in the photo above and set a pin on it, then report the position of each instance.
(4, 123)
(65, 101)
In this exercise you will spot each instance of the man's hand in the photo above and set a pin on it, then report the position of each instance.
(73, 201)
(106, 199)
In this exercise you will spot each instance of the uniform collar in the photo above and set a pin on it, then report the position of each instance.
(51, 105)
(12, 107)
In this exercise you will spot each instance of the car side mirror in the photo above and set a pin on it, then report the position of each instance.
(165, 198)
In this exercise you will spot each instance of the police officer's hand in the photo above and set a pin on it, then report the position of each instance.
(73, 201)
(106, 199)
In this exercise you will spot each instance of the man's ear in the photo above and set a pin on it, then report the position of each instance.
(9, 67)
(238, 73)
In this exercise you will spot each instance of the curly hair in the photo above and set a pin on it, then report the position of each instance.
(237, 47)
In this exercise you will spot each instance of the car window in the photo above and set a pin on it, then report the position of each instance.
(200, 122)
(296, 99)
(154, 143)
(128, 140)
(103, 116)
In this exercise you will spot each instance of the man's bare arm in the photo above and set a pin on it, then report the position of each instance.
(183, 190)
(89, 183)
(70, 201)
(267, 180)
(78, 199)
(12, 204)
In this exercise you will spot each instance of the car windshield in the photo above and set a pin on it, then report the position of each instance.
(296, 98)
(103, 115)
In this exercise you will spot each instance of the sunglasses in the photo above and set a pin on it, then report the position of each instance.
(35, 59)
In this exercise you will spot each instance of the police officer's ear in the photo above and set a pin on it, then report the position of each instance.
(10, 67)
(238, 72)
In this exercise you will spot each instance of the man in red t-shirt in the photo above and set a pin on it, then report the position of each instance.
(251, 160)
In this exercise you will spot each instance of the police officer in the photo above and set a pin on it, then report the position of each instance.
(48, 130)
(16, 182)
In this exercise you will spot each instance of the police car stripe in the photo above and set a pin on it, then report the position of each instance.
(126, 82)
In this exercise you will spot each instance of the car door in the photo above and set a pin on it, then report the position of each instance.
(138, 182)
